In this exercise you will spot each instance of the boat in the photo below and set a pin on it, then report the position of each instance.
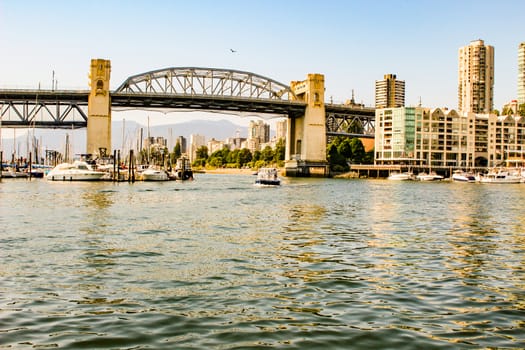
(463, 176)
(154, 174)
(429, 177)
(183, 169)
(396, 176)
(77, 171)
(267, 177)
(12, 173)
(500, 176)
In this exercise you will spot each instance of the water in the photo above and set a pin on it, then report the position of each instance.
(220, 264)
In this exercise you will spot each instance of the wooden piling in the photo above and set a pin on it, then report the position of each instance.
(114, 163)
(30, 165)
(118, 165)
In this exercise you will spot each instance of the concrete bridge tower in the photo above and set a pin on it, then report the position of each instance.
(99, 110)
(306, 141)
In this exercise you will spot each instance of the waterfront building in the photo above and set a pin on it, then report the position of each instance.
(506, 140)
(390, 92)
(394, 135)
(437, 137)
(521, 73)
(476, 78)
(196, 141)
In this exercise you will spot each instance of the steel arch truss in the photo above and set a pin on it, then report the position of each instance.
(206, 82)
(350, 123)
(43, 114)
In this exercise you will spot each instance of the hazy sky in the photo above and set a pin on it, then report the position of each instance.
(353, 43)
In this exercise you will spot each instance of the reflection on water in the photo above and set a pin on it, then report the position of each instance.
(219, 263)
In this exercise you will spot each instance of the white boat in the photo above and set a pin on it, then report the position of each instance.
(76, 171)
(429, 177)
(267, 177)
(463, 176)
(153, 174)
(499, 176)
(401, 176)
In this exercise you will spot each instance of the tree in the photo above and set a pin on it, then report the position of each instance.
(256, 156)
(267, 154)
(233, 158)
(358, 150)
(336, 160)
(201, 155)
(280, 151)
(176, 150)
(521, 109)
(176, 153)
(345, 148)
(507, 111)
(244, 157)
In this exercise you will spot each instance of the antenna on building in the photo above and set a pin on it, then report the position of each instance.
(419, 101)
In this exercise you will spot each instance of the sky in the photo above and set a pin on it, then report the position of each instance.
(352, 43)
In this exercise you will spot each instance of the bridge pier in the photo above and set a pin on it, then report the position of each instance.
(306, 135)
(99, 110)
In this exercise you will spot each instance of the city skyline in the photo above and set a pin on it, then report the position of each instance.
(352, 44)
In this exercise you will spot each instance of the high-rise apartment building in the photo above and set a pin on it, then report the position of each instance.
(281, 129)
(390, 92)
(258, 133)
(476, 78)
(521, 74)
(196, 141)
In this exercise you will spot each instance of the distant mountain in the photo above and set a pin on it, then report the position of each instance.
(56, 139)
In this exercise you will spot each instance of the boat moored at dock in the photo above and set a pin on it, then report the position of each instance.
(76, 171)
(463, 176)
(154, 174)
(500, 176)
(405, 176)
(432, 176)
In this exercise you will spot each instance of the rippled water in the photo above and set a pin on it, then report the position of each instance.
(218, 263)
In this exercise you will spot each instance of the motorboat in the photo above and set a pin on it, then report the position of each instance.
(76, 171)
(500, 176)
(267, 177)
(183, 169)
(463, 176)
(154, 174)
(429, 177)
(401, 176)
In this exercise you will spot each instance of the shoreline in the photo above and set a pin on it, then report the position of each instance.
(229, 171)
(234, 171)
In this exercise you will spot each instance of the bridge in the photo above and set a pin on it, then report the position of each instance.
(310, 120)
